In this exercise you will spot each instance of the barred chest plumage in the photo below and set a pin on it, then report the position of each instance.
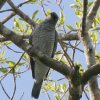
(43, 39)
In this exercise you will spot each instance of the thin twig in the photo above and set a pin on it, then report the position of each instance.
(4, 90)
(61, 79)
(12, 68)
(22, 14)
(47, 94)
(74, 47)
(66, 55)
(14, 77)
(22, 96)
(64, 93)
(43, 8)
(21, 4)
(13, 14)
(86, 95)
(8, 17)
(13, 50)
(22, 71)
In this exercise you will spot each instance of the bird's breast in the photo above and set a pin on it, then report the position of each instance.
(44, 41)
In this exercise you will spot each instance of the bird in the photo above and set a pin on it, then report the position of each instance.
(44, 38)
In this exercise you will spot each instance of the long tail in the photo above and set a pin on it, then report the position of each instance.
(36, 90)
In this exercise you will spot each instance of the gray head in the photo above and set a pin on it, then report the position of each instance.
(53, 18)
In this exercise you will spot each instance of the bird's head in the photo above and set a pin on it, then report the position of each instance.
(53, 18)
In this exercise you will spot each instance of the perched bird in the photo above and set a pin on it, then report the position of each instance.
(43, 38)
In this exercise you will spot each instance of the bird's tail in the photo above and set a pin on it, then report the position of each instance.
(36, 89)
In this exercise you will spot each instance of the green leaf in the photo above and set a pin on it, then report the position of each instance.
(63, 61)
(8, 43)
(3, 70)
(78, 13)
(61, 88)
(77, 24)
(74, 6)
(62, 19)
(48, 85)
(29, 31)
(90, 3)
(97, 56)
(81, 71)
(20, 64)
(95, 37)
(59, 52)
(76, 63)
(52, 88)
(69, 27)
(2, 53)
(96, 29)
(39, 20)
(26, 57)
(48, 12)
(10, 63)
(97, 20)
(33, 1)
(34, 14)
(57, 97)
(79, 2)
(16, 19)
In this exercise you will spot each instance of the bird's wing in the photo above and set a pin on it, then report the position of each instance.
(32, 62)
(54, 48)
(55, 44)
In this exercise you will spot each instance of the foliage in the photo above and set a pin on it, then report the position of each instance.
(8, 62)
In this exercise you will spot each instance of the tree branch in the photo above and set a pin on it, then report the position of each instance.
(58, 66)
(92, 71)
(21, 14)
(2, 2)
(85, 3)
(3, 39)
(89, 50)
(13, 14)
(92, 13)
(4, 90)
(62, 36)
(21, 4)
(8, 17)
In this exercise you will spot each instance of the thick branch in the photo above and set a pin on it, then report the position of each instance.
(84, 17)
(89, 50)
(62, 36)
(21, 4)
(13, 14)
(92, 13)
(92, 71)
(2, 2)
(58, 66)
(3, 39)
(21, 14)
